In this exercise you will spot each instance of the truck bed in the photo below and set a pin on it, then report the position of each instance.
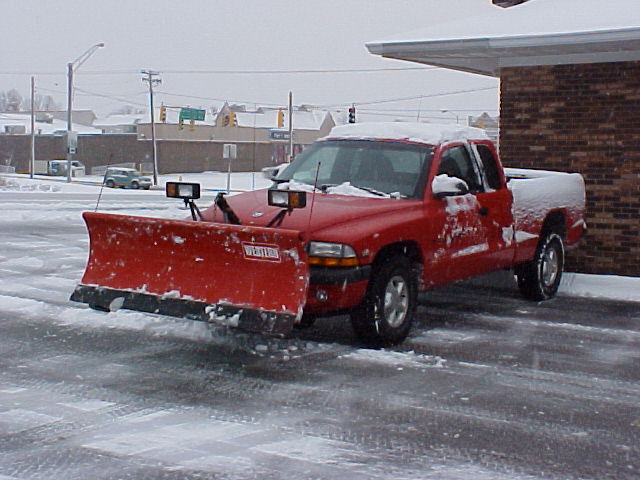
(536, 193)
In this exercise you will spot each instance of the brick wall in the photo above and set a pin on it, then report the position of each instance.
(586, 119)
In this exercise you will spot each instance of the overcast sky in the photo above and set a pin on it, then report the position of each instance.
(179, 38)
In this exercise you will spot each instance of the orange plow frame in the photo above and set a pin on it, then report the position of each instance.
(254, 278)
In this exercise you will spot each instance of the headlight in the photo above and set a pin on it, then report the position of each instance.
(287, 198)
(327, 254)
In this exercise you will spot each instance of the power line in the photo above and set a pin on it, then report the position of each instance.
(228, 100)
(235, 72)
(414, 97)
(415, 110)
(123, 99)
(87, 93)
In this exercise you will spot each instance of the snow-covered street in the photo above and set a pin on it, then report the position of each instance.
(488, 386)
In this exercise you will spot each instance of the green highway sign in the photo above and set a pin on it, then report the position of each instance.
(192, 114)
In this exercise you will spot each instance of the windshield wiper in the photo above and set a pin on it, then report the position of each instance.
(371, 190)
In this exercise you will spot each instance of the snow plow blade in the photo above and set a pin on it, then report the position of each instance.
(253, 278)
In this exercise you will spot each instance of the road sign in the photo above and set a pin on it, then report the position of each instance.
(229, 150)
(282, 135)
(72, 142)
(192, 114)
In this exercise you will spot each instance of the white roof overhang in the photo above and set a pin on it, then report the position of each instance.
(488, 55)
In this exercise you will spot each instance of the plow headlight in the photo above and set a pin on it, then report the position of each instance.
(325, 254)
(287, 198)
(183, 190)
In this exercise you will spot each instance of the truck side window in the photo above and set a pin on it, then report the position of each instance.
(456, 162)
(491, 173)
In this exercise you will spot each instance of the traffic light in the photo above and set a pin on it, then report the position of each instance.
(226, 120)
(352, 114)
(232, 119)
(280, 119)
(181, 124)
(163, 114)
(192, 124)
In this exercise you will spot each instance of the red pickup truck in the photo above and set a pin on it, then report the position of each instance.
(390, 209)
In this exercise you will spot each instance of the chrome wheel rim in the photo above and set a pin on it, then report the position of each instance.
(550, 266)
(396, 301)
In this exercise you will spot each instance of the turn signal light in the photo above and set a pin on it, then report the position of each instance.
(333, 262)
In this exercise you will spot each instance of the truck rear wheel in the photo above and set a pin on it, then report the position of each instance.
(110, 183)
(386, 313)
(539, 278)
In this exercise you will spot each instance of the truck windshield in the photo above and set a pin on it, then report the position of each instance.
(391, 168)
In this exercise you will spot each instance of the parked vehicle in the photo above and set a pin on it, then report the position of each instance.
(126, 178)
(358, 223)
(58, 168)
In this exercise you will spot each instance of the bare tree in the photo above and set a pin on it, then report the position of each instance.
(127, 110)
(10, 101)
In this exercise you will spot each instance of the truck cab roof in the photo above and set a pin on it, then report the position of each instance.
(414, 132)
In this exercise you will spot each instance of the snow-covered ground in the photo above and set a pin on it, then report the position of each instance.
(83, 392)
(240, 181)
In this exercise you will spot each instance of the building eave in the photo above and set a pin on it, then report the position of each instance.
(486, 56)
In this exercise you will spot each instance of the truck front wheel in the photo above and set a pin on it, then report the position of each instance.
(386, 313)
(539, 278)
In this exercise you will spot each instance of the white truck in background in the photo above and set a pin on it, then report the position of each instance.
(58, 168)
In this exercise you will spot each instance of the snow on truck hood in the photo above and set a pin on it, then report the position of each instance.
(428, 133)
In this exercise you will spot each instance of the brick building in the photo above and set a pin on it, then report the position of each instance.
(570, 100)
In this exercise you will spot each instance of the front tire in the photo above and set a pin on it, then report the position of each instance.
(386, 313)
(539, 278)
(135, 185)
(307, 321)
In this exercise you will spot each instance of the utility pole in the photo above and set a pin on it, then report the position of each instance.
(33, 128)
(69, 125)
(290, 126)
(152, 81)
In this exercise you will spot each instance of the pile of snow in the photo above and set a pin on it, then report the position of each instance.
(611, 287)
(398, 360)
(17, 184)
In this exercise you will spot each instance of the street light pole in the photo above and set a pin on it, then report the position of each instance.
(70, 69)
(32, 160)
(69, 108)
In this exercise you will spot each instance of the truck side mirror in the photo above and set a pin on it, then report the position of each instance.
(445, 186)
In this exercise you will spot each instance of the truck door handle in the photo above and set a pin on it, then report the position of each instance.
(484, 211)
